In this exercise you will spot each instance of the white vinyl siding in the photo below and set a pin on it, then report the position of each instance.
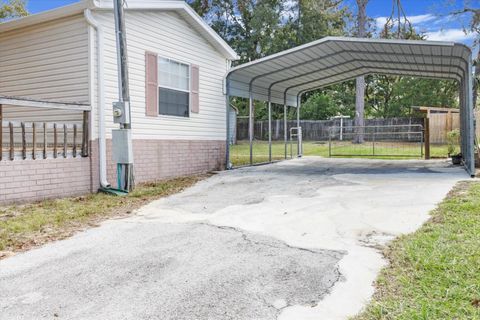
(47, 61)
(170, 36)
(26, 114)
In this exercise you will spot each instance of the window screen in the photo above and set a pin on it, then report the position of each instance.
(174, 88)
(173, 102)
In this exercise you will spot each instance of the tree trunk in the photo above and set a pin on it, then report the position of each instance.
(360, 110)
(360, 83)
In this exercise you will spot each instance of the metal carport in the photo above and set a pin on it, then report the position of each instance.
(282, 78)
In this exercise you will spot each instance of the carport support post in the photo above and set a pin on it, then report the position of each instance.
(269, 126)
(470, 118)
(285, 132)
(299, 131)
(463, 111)
(250, 123)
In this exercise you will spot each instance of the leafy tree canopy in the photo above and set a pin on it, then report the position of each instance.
(12, 9)
(257, 28)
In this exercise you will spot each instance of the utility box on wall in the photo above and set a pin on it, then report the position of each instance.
(121, 112)
(122, 151)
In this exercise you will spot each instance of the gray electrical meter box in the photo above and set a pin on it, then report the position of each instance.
(122, 151)
(121, 112)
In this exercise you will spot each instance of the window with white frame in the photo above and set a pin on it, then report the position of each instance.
(173, 88)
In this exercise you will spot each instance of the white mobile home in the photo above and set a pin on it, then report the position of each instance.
(58, 80)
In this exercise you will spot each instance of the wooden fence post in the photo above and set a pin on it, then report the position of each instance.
(45, 143)
(12, 150)
(55, 141)
(74, 140)
(24, 141)
(34, 142)
(85, 137)
(427, 138)
(65, 138)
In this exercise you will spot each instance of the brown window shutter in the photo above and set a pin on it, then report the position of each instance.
(194, 88)
(151, 82)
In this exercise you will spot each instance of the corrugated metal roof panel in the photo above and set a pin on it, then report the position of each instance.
(333, 59)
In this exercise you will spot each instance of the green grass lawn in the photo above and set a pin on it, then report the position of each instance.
(434, 273)
(240, 153)
(25, 226)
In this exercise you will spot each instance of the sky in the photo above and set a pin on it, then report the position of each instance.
(430, 17)
(427, 16)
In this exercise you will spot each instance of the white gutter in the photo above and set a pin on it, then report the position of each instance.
(102, 145)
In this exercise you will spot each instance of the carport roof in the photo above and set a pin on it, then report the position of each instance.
(336, 59)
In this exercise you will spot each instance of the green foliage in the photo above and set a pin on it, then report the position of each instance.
(12, 9)
(257, 28)
(393, 96)
(310, 20)
(319, 106)
(453, 140)
(388, 96)
(261, 110)
(322, 105)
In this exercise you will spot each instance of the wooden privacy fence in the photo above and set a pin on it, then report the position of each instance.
(314, 130)
(441, 124)
(34, 140)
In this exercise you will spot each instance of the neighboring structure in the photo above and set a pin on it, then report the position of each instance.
(68, 55)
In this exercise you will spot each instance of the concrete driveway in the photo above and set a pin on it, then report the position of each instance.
(295, 240)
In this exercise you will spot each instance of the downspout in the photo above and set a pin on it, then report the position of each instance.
(228, 164)
(102, 145)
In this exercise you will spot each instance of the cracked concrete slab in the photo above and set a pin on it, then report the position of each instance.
(351, 205)
(164, 271)
(296, 240)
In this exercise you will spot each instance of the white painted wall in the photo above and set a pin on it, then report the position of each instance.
(169, 35)
(47, 61)
(28, 114)
(50, 61)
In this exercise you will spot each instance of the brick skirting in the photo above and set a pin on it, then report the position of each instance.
(31, 180)
(162, 159)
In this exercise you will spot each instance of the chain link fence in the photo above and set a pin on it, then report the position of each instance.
(376, 141)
